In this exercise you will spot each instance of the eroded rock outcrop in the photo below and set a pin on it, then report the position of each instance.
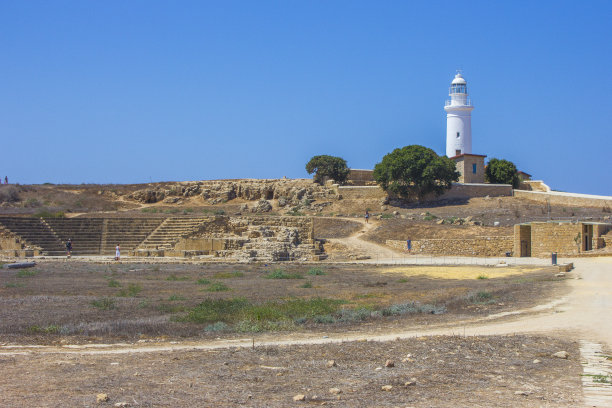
(289, 192)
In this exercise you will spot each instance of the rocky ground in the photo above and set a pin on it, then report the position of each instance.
(517, 371)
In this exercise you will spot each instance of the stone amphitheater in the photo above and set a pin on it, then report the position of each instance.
(237, 238)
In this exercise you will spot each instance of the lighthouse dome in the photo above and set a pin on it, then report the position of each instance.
(458, 80)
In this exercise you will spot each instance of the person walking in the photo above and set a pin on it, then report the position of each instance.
(117, 252)
(69, 248)
(367, 216)
(5, 179)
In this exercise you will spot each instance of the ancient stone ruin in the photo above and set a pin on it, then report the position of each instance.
(236, 238)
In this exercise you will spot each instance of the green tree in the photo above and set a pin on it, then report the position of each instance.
(500, 171)
(328, 167)
(415, 171)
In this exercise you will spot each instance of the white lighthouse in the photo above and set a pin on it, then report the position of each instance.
(458, 119)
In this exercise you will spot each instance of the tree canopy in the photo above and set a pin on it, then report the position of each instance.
(328, 167)
(500, 171)
(415, 171)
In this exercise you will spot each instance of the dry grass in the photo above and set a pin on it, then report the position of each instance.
(68, 295)
(461, 272)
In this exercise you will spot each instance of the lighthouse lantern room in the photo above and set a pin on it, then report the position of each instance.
(458, 119)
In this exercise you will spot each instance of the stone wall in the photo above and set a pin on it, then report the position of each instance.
(561, 237)
(465, 165)
(458, 190)
(534, 185)
(480, 246)
(249, 238)
(359, 177)
(469, 190)
(567, 199)
(361, 193)
(11, 245)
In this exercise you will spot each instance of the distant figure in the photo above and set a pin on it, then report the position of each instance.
(367, 216)
(117, 252)
(69, 248)
(408, 245)
(5, 179)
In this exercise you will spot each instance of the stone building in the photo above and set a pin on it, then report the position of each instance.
(471, 167)
(563, 237)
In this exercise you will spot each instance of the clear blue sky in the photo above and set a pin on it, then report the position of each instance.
(132, 91)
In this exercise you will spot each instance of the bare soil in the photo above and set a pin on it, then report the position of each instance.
(447, 371)
(335, 227)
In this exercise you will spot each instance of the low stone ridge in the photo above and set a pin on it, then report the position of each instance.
(290, 192)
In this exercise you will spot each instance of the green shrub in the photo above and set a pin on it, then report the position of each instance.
(306, 285)
(14, 285)
(202, 281)
(228, 275)
(412, 307)
(216, 327)
(173, 277)
(281, 274)
(241, 310)
(49, 214)
(51, 329)
(114, 283)
(482, 276)
(26, 273)
(104, 303)
(174, 298)
(315, 271)
(131, 291)
(481, 297)
(218, 287)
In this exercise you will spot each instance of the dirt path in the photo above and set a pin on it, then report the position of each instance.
(357, 244)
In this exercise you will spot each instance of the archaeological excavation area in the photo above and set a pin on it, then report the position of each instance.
(234, 238)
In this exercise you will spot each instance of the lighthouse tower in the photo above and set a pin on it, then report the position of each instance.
(458, 119)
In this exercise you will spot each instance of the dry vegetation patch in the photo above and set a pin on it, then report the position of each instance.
(122, 301)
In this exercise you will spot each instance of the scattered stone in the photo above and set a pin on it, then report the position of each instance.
(536, 361)
(440, 222)
(101, 398)
(521, 393)
(121, 404)
(378, 368)
(262, 206)
(332, 363)
(389, 363)
(396, 213)
(561, 354)
(386, 387)
(299, 397)
(315, 398)
(560, 275)
(410, 383)
(335, 391)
